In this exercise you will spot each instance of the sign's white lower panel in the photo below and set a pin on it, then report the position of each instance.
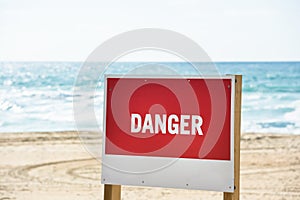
(185, 173)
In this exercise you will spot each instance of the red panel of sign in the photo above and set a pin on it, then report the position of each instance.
(168, 117)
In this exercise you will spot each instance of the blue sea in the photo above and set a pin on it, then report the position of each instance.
(38, 96)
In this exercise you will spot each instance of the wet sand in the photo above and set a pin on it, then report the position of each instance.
(55, 165)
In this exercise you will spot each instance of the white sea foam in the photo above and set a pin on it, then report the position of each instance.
(294, 116)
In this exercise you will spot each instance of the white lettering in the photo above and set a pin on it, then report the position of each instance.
(160, 123)
(173, 128)
(148, 125)
(136, 127)
(196, 124)
(172, 124)
(184, 124)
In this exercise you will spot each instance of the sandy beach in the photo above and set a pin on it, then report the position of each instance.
(55, 165)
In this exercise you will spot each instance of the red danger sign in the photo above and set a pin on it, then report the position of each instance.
(168, 117)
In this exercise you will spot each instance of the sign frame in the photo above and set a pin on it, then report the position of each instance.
(111, 176)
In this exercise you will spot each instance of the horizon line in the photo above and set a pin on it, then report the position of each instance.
(260, 61)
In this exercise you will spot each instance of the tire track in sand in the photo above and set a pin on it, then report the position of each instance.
(78, 171)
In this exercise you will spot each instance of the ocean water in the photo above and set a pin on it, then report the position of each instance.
(38, 96)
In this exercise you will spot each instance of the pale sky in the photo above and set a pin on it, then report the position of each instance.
(229, 30)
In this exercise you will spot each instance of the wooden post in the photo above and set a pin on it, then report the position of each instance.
(112, 192)
(237, 133)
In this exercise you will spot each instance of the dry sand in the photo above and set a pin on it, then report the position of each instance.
(55, 165)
